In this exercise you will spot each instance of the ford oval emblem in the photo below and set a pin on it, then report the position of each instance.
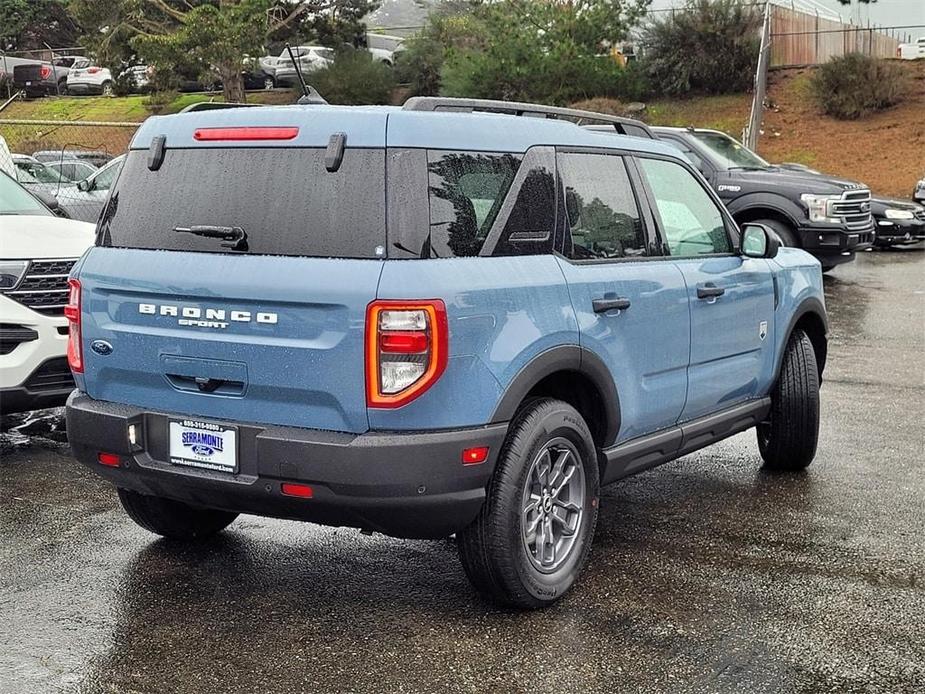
(101, 347)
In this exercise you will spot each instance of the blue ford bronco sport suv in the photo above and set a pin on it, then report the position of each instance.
(423, 321)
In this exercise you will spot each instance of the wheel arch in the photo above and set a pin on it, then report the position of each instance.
(750, 208)
(575, 375)
(810, 317)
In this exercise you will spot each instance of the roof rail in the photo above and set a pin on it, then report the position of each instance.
(623, 126)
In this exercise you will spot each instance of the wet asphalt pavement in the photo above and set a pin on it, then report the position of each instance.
(707, 574)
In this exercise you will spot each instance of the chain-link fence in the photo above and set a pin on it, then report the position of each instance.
(68, 163)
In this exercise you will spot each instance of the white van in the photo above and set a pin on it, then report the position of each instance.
(911, 51)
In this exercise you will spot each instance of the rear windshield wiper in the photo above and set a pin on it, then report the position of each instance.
(234, 238)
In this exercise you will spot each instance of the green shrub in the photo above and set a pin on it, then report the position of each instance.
(451, 25)
(709, 47)
(536, 50)
(157, 101)
(354, 78)
(855, 85)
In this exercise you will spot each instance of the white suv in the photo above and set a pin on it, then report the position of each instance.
(36, 254)
(86, 78)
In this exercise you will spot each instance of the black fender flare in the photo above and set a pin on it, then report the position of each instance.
(809, 305)
(563, 358)
(768, 201)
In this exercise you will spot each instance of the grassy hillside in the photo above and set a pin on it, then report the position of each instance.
(886, 150)
(727, 113)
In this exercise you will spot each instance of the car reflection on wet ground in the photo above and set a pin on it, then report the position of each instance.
(707, 574)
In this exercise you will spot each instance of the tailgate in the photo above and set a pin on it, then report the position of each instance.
(271, 340)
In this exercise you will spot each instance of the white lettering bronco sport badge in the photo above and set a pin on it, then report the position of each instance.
(195, 317)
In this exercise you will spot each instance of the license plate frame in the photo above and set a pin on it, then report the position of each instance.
(204, 445)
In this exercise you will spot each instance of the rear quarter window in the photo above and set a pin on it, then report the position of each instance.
(284, 199)
(445, 204)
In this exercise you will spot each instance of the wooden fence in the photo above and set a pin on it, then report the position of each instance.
(799, 38)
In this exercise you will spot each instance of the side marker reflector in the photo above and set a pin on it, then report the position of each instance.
(109, 459)
(300, 490)
(475, 456)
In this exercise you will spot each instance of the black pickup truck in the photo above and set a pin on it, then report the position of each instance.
(826, 216)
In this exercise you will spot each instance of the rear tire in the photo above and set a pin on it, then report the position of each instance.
(785, 233)
(173, 519)
(787, 439)
(107, 88)
(532, 537)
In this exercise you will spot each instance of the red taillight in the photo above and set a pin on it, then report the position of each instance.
(300, 490)
(475, 456)
(45, 71)
(237, 134)
(109, 459)
(406, 350)
(75, 355)
(93, 70)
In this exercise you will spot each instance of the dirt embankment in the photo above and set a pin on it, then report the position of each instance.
(885, 150)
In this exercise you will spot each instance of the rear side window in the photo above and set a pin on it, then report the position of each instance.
(445, 204)
(466, 191)
(284, 199)
(601, 211)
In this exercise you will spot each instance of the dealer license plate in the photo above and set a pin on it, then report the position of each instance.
(203, 444)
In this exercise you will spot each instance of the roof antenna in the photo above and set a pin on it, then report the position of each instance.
(310, 95)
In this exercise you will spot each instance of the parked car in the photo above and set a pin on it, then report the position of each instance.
(39, 251)
(918, 194)
(381, 55)
(72, 169)
(826, 216)
(85, 200)
(36, 176)
(139, 77)
(39, 78)
(86, 78)
(310, 58)
(256, 77)
(8, 64)
(898, 222)
(911, 51)
(95, 157)
(521, 311)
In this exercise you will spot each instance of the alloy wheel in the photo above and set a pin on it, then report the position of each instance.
(552, 507)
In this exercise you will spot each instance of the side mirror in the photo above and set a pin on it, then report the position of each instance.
(83, 185)
(50, 201)
(758, 241)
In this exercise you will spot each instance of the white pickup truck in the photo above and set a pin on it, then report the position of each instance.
(911, 51)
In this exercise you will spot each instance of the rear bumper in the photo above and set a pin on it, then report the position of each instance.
(84, 88)
(397, 483)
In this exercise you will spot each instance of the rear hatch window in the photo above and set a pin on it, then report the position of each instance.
(284, 199)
